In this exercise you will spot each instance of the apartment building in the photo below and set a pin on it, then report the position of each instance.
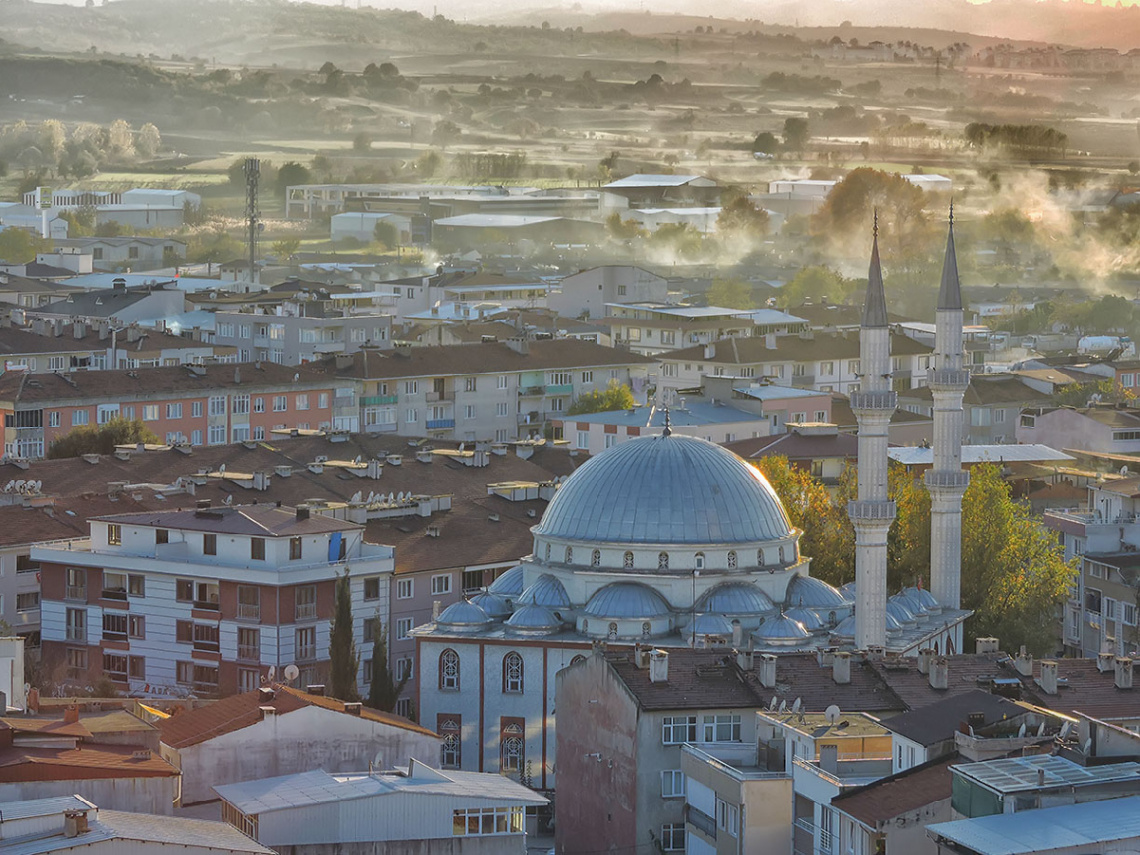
(992, 405)
(204, 600)
(498, 391)
(824, 361)
(192, 404)
(1104, 428)
(589, 292)
(300, 334)
(655, 328)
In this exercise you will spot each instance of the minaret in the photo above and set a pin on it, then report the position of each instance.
(872, 512)
(946, 480)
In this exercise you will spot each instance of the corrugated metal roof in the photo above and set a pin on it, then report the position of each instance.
(494, 221)
(651, 180)
(41, 807)
(1047, 829)
(1029, 453)
(1025, 774)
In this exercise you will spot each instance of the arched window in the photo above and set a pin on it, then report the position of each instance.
(699, 561)
(548, 552)
(596, 558)
(732, 560)
(781, 554)
(613, 629)
(512, 754)
(512, 673)
(449, 671)
(627, 561)
(450, 750)
(569, 554)
(577, 659)
(585, 625)
(646, 628)
(662, 560)
(759, 557)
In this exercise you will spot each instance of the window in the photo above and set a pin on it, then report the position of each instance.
(450, 752)
(821, 415)
(449, 671)
(512, 749)
(136, 667)
(206, 637)
(295, 548)
(241, 405)
(403, 628)
(673, 837)
(502, 381)
(469, 384)
(259, 405)
(217, 404)
(280, 403)
(722, 728)
(827, 368)
(672, 784)
(372, 588)
(487, 821)
(76, 583)
(174, 411)
(302, 402)
(596, 558)
(203, 678)
(472, 580)
(587, 376)
(249, 643)
(77, 663)
(411, 416)
(732, 560)
(441, 584)
(114, 585)
(501, 409)
(79, 417)
(195, 437)
(676, 729)
(196, 409)
(257, 548)
(627, 560)
(404, 668)
(561, 378)
(306, 637)
(411, 387)
(53, 418)
(1128, 613)
(1128, 380)
(114, 534)
(699, 561)
(662, 560)
(512, 673)
(305, 599)
(404, 589)
(248, 602)
(371, 625)
(136, 626)
(115, 667)
(28, 601)
(209, 544)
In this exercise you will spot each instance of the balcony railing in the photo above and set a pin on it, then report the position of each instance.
(306, 652)
(375, 400)
(700, 821)
(433, 397)
(306, 611)
(77, 633)
(440, 424)
(206, 605)
(76, 592)
(249, 652)
(247, 611)
(532, 391)
(560, 389)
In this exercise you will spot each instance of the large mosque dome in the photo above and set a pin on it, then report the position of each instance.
(666, 490)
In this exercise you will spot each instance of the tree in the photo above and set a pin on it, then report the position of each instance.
(617, 396)
(285, 248)
(383, 691)
(18, 246)
(342, 649)
(740, 217)
(815, 283)
(851, 203)
(101, 439)
(796, 134)
(362, 143)
(120, 140)
(624, 230)
(149, 140)
(290, 174)
(731, 293)
(766, 143)
(386, 235)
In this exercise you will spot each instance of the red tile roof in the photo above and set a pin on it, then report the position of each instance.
(191, 727)
(906, 791)
(19, 764)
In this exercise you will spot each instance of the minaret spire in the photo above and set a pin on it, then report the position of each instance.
(872, 512)
(946, 480)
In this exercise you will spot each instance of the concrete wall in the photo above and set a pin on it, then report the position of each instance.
(137, 795)
(309, 738)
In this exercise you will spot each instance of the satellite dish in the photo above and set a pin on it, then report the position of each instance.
(1065, 728)
(783, 706)
(796, 704)
(1021, 731)
(832, 714)
(222, 469)
(1088, 745)
(1041, 729)
(378, 760)
(229, 500)
(271, 673)
(292, 672)
(772, 705)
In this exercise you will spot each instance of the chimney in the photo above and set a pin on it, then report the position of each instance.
(119, 285)
(825, 656)
(925, 654)
(986, 645)
(1123, 672)
(737, 634)
(343, 361)
(71, 715)
(302, 514)
(1104, 662)
(1049, 676)
(317, 689)
(264, 712)
(940, 673)
(237, 376)
(202, 504)
(659, 667)
(353, 707)
(640, 657)
(768, 670)
(266, 694)
(710, 351)
(1024, 663)
(79, 329)
(875, 652)
(74, 823)
(770, 341)
(841, 667)
(436, 608)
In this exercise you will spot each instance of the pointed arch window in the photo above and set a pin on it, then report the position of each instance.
(512, 674)
(449, 671)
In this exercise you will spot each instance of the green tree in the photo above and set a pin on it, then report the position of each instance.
(386, 235)
(362, 143)
(731, 293)
(285, 248)
(214, 246)
(740, 217)
(766, 142)
(290, 174)
(384, 690)
(342, 649)
(814, 283)
(851, 203)
(80, 222)
(623, 230)
(796, 134)
(101, 439)
(616, 396)
(19, 246)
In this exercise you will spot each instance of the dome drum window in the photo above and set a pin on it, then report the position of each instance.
(569, 555)
(627, 561)
(596, 558)
(732, 560)
(663, 561)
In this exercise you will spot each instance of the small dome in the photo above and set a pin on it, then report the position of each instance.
(495, 606)
(545, 591)
(925, 597)
(848, 591)
(914, 605)
(711, 625)
(781, 629)
(897, 607)
(666, 490)
(893, 623)
(463, 616)
(534, 619)
(736, 598)
(809, 593)
(808, 618)
(510, 584)
(627, 600)
(845, 628)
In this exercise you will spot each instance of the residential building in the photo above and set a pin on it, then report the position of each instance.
(816, 447)
(76, 825)
(826, 362)
(277, 729)
(595, 432)
(588, 293)
(294, 337)
(193, 404)
(204, 600)
(419, 809)
(1100, 429)
(508, 233)
(498, 391)
(661, 328)
(28, 293)
(121, 303)
(992, 405)
(119, 253)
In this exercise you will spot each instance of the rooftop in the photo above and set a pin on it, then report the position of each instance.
(1008, 453)
(1043, 772)
(91, 762)
(938, 722)
(794, 348)
(694, 414)
(253, 520)
(653, 180)
(897, 794)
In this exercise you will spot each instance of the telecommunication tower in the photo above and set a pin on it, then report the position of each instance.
(252, 214)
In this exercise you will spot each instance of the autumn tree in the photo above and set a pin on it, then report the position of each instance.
(623, 230)
(149, 140)
(616, 396)
(814, 283)
(740, 217)
(343, 660)
(731, 293)
(852, 202)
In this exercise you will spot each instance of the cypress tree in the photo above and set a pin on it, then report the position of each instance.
(383, 691)
(342, 649)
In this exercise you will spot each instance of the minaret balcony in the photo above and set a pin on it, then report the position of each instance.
(871, 510)
(947, 379)
(874, 401)
(952, 480)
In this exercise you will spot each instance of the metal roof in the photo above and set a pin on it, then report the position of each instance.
(1047, 829)
(772, 392)
(736, 598)
(626, 600)
(547, 591)
(680, 311)
(1028, 453)
(509, 583)
(41, 807)
(695, 414)
(668, 490)
(1023, 774)
(814, 593)
(495, 221)
(652, 180)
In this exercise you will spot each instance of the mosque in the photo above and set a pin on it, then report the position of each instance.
(673, 541)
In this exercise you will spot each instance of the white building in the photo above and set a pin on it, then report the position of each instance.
(372, 812)
(361, 226)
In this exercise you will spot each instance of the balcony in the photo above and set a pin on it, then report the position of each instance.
(248, 611)
(532, 391)
(560, 389)
(436, 397)
(737, 761)
(440, 424)
(76, 592)
(377, 400)
(1084, 521)
(306, 611)
(700, 821)
(307, 652)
